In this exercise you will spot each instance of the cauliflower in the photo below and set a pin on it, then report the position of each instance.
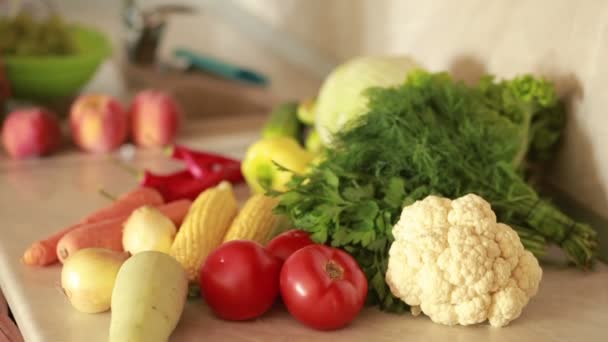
(455, 263)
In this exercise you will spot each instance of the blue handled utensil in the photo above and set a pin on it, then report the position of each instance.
(220, 68)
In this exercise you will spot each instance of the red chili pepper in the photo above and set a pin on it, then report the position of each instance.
(200, 171)
(151, 179)
(214, 163)
(232, 173)
(203, 170)
(179, 152)
(191, 188)
(184, 189)
(197, 170)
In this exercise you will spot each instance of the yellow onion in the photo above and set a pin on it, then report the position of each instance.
(88, 277)
(148, 229)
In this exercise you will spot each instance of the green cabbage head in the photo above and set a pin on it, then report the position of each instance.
(341, 96)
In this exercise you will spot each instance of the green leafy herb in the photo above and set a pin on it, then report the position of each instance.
(433, 135)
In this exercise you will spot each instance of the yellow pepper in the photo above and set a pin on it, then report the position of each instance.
(259, 169)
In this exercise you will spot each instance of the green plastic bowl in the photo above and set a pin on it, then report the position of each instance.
(47, 78)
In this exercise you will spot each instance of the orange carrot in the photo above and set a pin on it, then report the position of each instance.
(126, 203)
(43, 252)
(108, 233)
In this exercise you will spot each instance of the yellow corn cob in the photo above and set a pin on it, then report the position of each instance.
(255, 221)
(204, 227)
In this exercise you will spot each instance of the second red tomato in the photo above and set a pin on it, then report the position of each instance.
(285, 244)
(323, 287)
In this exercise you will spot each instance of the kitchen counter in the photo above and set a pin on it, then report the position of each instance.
(39, 197)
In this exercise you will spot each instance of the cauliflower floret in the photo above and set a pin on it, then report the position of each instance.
(455, 263)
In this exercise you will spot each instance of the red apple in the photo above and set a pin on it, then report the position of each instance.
(98, 123)
(30, 132)
(155, 118)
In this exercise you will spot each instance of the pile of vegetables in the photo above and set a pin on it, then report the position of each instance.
(218, 250)
(433, 135)
(170, 194)
(322, 287)
(409, 190)
(138, 255)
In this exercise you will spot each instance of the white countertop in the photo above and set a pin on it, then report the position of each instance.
(39, 197)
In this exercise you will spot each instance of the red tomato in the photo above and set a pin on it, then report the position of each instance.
(240, 280)
(284, 244)
(323, 287)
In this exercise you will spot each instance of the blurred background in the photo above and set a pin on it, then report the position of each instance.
(231, 57)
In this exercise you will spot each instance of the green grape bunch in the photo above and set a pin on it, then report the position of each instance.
(24, 35)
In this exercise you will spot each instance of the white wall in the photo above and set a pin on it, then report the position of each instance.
(565, 40)
(207, 32)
